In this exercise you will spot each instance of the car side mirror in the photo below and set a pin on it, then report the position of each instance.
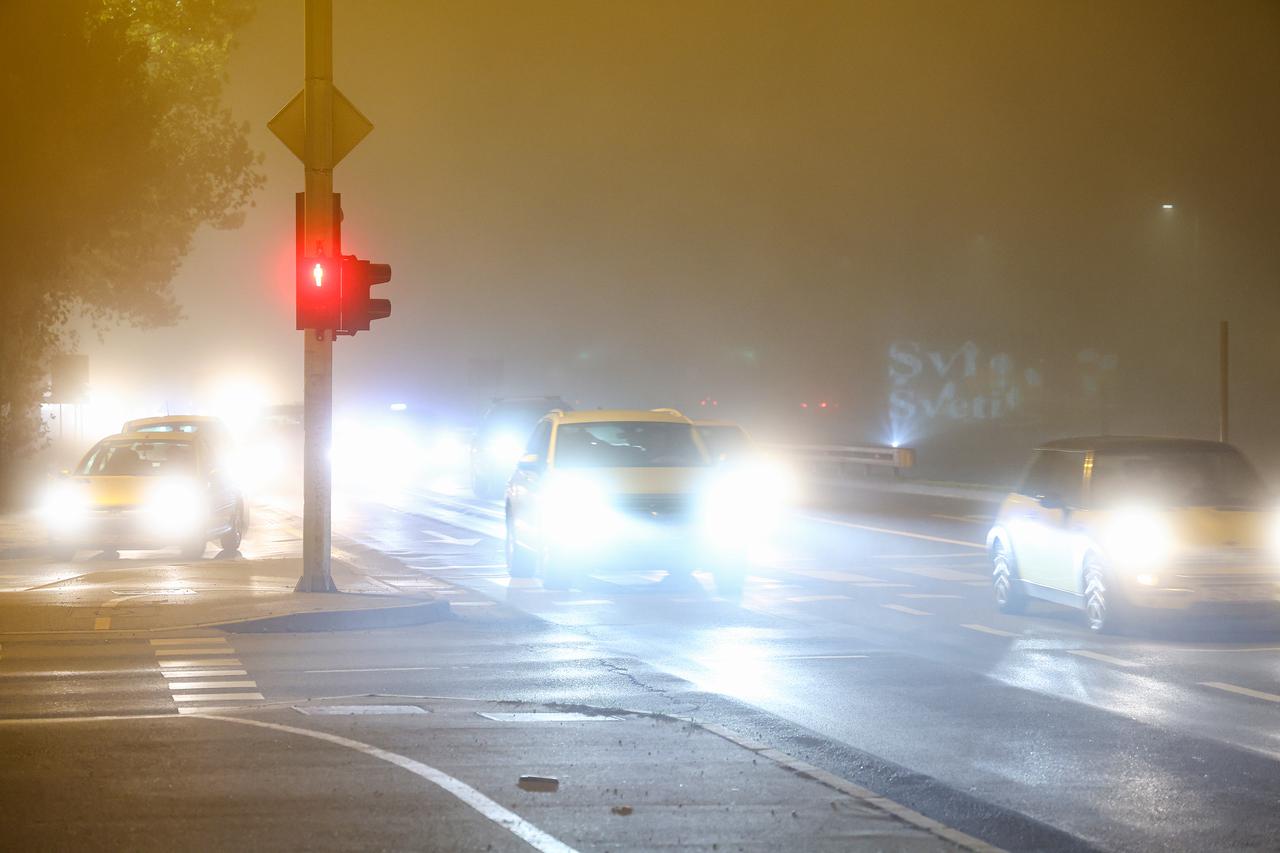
(1052, 501)
(529, 462)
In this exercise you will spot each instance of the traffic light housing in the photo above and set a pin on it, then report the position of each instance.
(358, 309)
(318, 273)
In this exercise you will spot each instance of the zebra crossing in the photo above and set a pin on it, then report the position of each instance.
(204, 675)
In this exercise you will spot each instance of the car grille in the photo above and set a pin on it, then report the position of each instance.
(665, 508)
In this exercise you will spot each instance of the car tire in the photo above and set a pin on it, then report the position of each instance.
(230, 541)
(1006, 586)
(520, 563)
(1104, 610)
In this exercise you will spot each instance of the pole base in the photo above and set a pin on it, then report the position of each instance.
(315, 583)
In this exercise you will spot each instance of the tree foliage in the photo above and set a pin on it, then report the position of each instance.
(117, 148)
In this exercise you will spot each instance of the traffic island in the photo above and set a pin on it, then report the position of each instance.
(235, 595)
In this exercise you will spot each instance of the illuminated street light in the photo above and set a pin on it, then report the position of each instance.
(1167, 206)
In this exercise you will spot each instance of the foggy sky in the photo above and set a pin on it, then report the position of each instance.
(654, 201)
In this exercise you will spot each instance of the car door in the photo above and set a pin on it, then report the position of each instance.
(1041, 518)
(522, 491)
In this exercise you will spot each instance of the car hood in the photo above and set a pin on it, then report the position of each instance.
(114, 492)
(645, 481)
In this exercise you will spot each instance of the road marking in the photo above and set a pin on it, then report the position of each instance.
(190, 641)
(378, 669)
(217, 697)
(209, 685)
(517, 825)
(1243, 691)
(178, 664)
(826, 657)
(995, 632)
(803, 599)
(937, 573)
(905, 533)
(967, 519)
(584, 602)
(481, 566)
(200, 673)
(101, 623)
(217, 651)
(472, 603)
(1236, 651)
(445, 539)
(834, 577)
(218, 709)
(928, 595)
(1085, 653)
(908, 610)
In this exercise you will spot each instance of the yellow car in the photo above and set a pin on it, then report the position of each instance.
(631, 487)
(1117, 525)
(145, 490)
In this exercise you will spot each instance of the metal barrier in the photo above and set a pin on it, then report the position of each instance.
(844, 457)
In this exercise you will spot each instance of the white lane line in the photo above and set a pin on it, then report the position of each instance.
(584, 602)
(939, 574)
(1085, 653)
(180, 664)
(908, 534)
(378, 669)
(209, 709)
(995, 632)
(509, 820)
(190, 641)
(826, 657)
(200, 673)
(209, 685)
(1243, 691)
(967, 519)
(1236, 651)
(908, 610)
(803, 599)
(221, 650)
(217, 697)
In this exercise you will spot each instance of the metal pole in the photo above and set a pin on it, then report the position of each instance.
(317, 401)
(1223, 373)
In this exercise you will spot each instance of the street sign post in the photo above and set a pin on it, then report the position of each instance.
(321, 127)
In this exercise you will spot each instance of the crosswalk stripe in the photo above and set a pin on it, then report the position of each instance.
(1085, 653)
(995, 632)
(200, 673)
(190, 641)
(179, 664)
(938, 573)
(911, 611)
(206, 685)
(197, 651)
(216, 697)
(1243, 691)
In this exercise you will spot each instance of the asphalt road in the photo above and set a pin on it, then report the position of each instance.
(865, 643)
(872, 626)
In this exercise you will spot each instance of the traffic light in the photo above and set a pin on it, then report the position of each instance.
(358, 278)
(319, 273)
(319, 293)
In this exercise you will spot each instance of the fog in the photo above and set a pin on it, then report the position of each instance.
(942, 219)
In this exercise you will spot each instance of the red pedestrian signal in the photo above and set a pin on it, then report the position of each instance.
(319, 293)
(358, 309)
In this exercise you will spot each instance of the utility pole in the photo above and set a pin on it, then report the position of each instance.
(321, 127)
(1223, 374)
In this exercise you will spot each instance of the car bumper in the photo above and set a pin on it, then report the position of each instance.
(127, 530)
(1210, 593)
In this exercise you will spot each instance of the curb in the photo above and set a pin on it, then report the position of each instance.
(396, 616)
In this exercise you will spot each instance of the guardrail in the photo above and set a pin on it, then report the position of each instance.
(846, 457)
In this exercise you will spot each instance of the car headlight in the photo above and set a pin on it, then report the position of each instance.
(1139, 536)
(175, 508)
(505, 449)
(745, 503)
(64, 507)
(577, 511)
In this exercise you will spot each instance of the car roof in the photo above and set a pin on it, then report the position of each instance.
(203, 420)
(712, 423)
(593, 416)
(185, 437)
(1130, 443)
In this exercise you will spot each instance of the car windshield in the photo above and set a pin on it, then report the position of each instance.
(168, 428)
(627, 444)
(724, 442)
(140, 459)
(1209, 476)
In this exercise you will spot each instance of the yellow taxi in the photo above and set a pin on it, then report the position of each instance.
(625, 487)
(1118, 525)
(145, 490)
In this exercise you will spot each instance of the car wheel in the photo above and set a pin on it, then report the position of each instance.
(230, 541)
(1005, 584)
(520, 563)
(1103, 608)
